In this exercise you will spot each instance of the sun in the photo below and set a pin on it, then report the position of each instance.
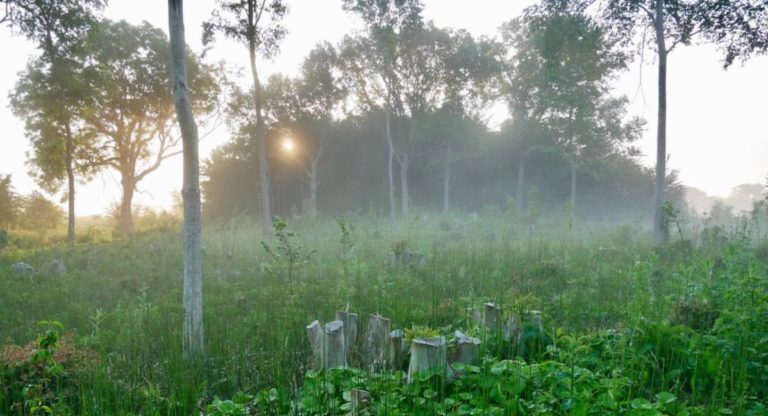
(288, 145)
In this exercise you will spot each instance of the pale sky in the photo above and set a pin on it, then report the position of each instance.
(717, 120)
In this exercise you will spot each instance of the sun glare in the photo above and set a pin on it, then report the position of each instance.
(288, 145)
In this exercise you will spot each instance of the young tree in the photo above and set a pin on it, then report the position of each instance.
(51, 108)
(737, 26)
(8, 203)
(193, 336)
(305, 107)
(256, 25)
(560, 77)
(132, 111)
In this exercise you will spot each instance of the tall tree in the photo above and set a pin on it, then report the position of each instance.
(738, 27)
(132, 112)
(560, 78)
(193, 344)
(257, 25)
(58, 28)
(371, 62)
(305, 106)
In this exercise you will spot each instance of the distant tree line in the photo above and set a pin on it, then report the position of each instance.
(390, 120)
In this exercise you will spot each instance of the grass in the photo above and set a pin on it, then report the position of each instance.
(631, 324)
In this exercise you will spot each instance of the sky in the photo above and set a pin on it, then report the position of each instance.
(717, 130)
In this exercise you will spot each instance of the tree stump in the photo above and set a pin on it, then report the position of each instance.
(492, 317)
(467, 349)
(377, 341)
(396, 349)
(359, 400)
(512, 328)
(327, 344)
(428, 356)
(350, 331)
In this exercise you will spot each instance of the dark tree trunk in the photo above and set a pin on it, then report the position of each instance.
(193, 341)
(659, 220)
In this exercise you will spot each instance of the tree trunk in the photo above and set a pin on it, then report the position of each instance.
(70, 186)
(126, 213)
(573, 185)
(447, 180)
(313, 188)
(659, 220)
(193, 340)
(520, 184)
(266, 216)
(390, 168)
(404, 187)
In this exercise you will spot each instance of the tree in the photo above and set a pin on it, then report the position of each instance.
(8, 203)
(193, 288)
(255, 24)
(305, 106)
(50, 110)
(371, 64)
(39, 213)
(737, 26)
(559, 78)
(132, 112)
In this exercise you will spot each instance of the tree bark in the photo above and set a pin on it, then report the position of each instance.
(70, 149)
(659, 221)
(390, 168)
(193, 340)
(266, 216)
(126, 213)
(447, 180)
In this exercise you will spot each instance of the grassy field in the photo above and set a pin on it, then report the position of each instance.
(628, 328)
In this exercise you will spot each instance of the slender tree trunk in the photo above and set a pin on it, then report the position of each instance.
(520, 184)
(573, 185)
(390, 168)
(404, 186)
(126, 213)
(447, 180)
(70, 186)
(313, 188)
(193, 340)
(659, 221)
(266, 216)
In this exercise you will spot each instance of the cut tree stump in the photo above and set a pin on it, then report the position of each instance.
(397, 349)
(512, 328)
(327, 344)
(467, 349)
(350, 331)
(428, 356)
(377, 341)
(359, 400)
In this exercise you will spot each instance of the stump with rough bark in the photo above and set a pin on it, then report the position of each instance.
(428, 356)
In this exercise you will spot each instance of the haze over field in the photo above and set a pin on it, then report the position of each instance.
(717, 134)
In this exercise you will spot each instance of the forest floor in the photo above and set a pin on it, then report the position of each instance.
(628, 328)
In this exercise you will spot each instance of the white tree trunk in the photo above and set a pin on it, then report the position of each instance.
(390, 168)
(193, 340)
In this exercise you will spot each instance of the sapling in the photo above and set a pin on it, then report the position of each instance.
(286, 249)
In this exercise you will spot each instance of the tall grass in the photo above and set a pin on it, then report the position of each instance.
(593, 284)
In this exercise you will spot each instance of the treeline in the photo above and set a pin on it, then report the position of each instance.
(390, 119)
